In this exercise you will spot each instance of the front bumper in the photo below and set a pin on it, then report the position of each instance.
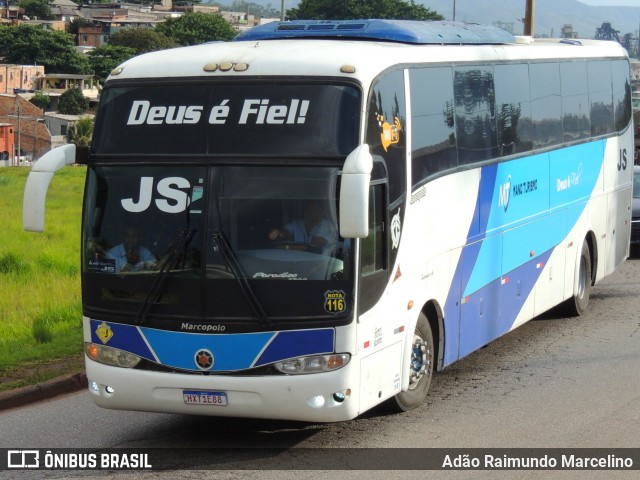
(313, 397)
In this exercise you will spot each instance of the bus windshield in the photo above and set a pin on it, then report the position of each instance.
(203, 197)
(215, 242)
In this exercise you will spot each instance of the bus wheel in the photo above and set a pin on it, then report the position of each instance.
(421, 369)
(577, 305)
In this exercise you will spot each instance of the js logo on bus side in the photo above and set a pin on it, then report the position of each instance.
(335, 301)
(622, 160)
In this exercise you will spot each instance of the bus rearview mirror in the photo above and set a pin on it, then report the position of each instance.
(354, 193)
(35, 191)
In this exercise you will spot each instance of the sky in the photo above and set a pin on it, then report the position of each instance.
(612, 3)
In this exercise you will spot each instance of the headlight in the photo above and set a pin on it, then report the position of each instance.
(111, 356)
(314, 364)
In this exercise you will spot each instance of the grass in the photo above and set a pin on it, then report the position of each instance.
(40, 305)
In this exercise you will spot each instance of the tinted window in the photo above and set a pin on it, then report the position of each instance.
(575, 101)
(546, 105)
(475, 118)
(372, 254)
(433, 130)
(621, 94)
(600, 97)
(513, 107)
(386, 126)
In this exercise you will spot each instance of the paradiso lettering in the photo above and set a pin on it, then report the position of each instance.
(256, 111)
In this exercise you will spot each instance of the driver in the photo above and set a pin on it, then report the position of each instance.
(313, 229)
(130, 255)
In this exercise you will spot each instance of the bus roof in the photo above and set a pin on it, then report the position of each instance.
(360, 59)
(403, 31)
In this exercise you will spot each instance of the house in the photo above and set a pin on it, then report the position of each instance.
(90, 36)
(65, 10)
(11, 12)
(19, 78)
(58, 124)
(7, 144)
(31, 135)
(55, 84)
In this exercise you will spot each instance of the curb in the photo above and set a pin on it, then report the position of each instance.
(49, 389)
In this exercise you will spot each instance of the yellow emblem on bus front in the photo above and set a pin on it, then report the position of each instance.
(390, 134)
(104, 333)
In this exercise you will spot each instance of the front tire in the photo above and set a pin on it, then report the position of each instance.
(577, 305)
(421, 369)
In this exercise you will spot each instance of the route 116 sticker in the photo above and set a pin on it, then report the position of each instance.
(335, 301)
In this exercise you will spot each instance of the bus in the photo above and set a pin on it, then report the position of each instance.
(465, 180)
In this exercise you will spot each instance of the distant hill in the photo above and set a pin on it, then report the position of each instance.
(550, 15)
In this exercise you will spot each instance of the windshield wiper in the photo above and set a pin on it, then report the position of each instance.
(173, 258)
(233, 262)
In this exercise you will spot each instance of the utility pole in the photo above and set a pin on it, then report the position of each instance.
(528, 18)
(282, 10)
(18, 161)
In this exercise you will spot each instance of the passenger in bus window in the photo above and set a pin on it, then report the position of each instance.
(313, 230)
(130, 255)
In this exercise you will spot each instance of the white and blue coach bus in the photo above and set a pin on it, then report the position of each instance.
(466, 181)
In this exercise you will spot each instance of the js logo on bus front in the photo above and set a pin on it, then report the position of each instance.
(335, 301)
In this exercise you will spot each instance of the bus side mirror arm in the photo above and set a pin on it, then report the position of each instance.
(35, 191)
(354, 193)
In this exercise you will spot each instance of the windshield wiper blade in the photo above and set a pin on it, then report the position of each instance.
(175, 255)
(230, 257)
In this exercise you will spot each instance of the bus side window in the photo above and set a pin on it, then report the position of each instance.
(433, 136)
(621, 95)
(373, 251)
(474, 98)
(600, 97)
(513, 108)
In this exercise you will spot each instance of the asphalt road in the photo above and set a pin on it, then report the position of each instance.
(554, 382)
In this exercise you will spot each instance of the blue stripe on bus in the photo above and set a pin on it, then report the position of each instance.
(573, 173)
(231, 352)
(298, 343)
(492, 310)
(524, 209)
(124, 337)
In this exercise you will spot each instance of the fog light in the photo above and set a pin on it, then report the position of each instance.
(339, 397)
(316, 402)
(93, 386)
(109, 390)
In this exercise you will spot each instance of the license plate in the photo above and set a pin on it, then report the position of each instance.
(196, 397)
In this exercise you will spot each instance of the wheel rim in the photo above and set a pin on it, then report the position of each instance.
(420, 360)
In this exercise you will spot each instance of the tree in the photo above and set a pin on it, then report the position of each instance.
(73, 102)
(80, 132)
(104, 59)
(356, 9)
(40, 100)
(195, 28)
(29, 44)
(40, 9)
(142, 40)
